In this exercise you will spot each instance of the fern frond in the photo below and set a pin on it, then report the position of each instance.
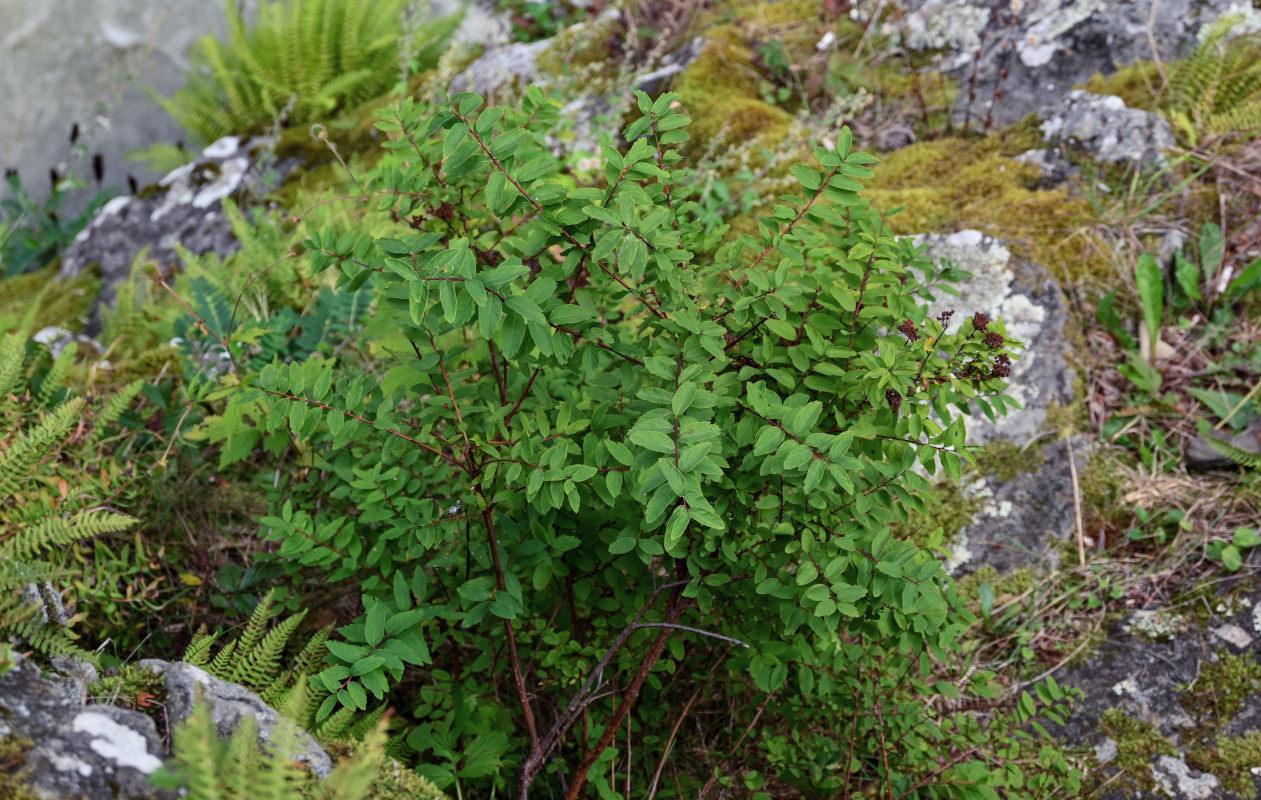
(258, 667)
(18, 459)
(63, 532)
(1238, 455)
(114, 408)
(198, 651)
(51, 384)
(223, 660)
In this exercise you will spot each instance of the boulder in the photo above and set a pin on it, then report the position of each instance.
(183, 209)
(1016, 514)
(1029, 49)
(88, 65)
(59, 745)
(61, 748)
(502, 71)
(1106, 129)
(1171, 703)
(1028, 301)
(229, 704)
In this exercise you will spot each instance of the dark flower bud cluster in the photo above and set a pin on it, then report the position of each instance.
(907, 329)
(944, 317)
(980, 321)
(994, 340)
(1002, 366)
(895, 399)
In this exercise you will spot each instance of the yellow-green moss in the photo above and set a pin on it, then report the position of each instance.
(1137, 84)
(1232, 761)
(1005, 459)
(1221, 688)
(578, 48)
(13, 783)
(40, 299)
(954, 183)
(948, 507)
(134, 687)
(1006, 586)
(1137, 744)
(721, 91)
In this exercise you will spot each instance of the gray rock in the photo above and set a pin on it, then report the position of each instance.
(95, 752)
(1202, 455)
(1167, 682)
(1106, 129)
(1033, 308)
(1045, 47)
(229, 704)
(185, 208)
(90, 62)
(501, 72)
(1020, 517)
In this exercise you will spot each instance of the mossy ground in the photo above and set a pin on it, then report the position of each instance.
(40, 299)
(1138, 743)
(13, 782)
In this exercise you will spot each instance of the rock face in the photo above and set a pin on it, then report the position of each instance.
(500, 73)
(96, 752)
(70, 749)
(229, 704)
(1018, 515)
(90, 62)
(1106, 128)
(1033, 308)
(1172, 702)
(185, 208)
(1029, 49)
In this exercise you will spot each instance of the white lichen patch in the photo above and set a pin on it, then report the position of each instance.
(1256, 619)
(1105, 751)
(1176, 779)
(120, 744)
(1129, 686)
(1231, 606)
(1158, 625)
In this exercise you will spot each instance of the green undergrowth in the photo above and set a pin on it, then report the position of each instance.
(40, 299)
(14, 784)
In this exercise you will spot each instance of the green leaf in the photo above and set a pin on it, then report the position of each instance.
(656, 441)
(374, 624)
(1212, 248)
(1151, 292)
(768, 440)
(527, 309)
(1246, 537)
(1232, 559)
(1188, 276)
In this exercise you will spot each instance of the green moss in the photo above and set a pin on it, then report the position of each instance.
(1005, 459)
(579, 49)
(721, 91)
(1006, 586)
(13, 783)
(40, 299)
(1138, 84)
(1137, 744)
(134, 687)
(1232, 761)
(954, 183)
(1221, 688)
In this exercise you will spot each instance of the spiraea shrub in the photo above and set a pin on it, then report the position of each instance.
(617, 490)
